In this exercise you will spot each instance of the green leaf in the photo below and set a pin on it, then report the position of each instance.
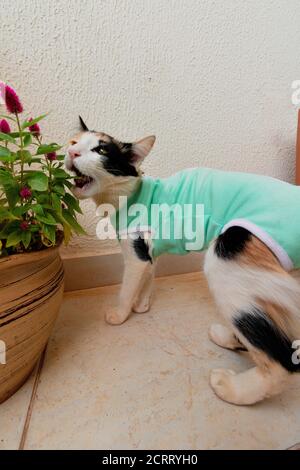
(20, 210)
(35, 160)
(50, 233)
(72, 202)
(6, 159)
(33, 121)
(66, 228)
(6, 176)
(24, 155)
(68, 184)
(9, 228)
(42, 198)
(59, 189)
(10, 187)
(17, 134)
(7, 138)
(26, 238)
(14, 238)
(38, 209)
(6, 215)
(27, 140)
(59, 173)
(12, 194)
(44, 149)
(5, 153)
(46, 219)
(46, 205)
(35, 227)
(70, 219)
(56, 202)
(38, 181)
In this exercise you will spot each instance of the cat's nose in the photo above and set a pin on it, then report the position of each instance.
(74, 153)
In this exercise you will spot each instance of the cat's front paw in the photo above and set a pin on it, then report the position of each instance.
(114, 317)
(141, 306)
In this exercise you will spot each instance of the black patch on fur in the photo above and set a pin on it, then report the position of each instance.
(83, 126)
(116, 159)
(232, 242)
(126, 147)
(141, 249)
(264, 334)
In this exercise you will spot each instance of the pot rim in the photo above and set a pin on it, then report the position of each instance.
(22, 258)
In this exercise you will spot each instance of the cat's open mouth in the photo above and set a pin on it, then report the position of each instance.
(80, 179)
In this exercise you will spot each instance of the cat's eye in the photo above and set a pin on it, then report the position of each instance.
(100, 149)
(73, 142)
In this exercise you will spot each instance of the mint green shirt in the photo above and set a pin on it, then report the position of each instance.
(267, 207)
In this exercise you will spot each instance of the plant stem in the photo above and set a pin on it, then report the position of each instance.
(22, 148)
(11, 165)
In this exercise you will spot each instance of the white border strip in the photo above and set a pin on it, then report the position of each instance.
(277, 249)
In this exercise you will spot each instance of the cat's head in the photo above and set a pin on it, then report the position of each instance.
(100, 161)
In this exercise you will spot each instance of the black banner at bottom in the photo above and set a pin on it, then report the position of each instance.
(137, 458)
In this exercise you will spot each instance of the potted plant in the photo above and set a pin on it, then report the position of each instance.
(37, 212)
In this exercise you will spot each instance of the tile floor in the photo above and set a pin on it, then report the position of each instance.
(142, 385)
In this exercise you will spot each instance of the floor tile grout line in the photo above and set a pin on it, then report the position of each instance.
(32, 400)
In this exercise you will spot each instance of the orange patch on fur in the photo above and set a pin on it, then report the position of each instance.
(257, 254)
(279, 315)
(103, 136)
(76, 138)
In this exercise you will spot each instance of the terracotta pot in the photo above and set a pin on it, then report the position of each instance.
(31, 289)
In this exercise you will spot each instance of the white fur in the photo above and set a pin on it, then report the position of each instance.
(136, 286)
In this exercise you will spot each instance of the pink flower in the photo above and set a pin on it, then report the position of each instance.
(12, 101)
(4, 126)
(24, 225)
(51, 156)
(35, 128)
(25, 192)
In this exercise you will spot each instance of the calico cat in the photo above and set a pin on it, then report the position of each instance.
(252, 232)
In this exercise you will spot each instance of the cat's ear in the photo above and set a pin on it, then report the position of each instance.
(83, 125)
(141, 148)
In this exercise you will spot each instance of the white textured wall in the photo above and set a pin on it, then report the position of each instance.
(211, 78)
